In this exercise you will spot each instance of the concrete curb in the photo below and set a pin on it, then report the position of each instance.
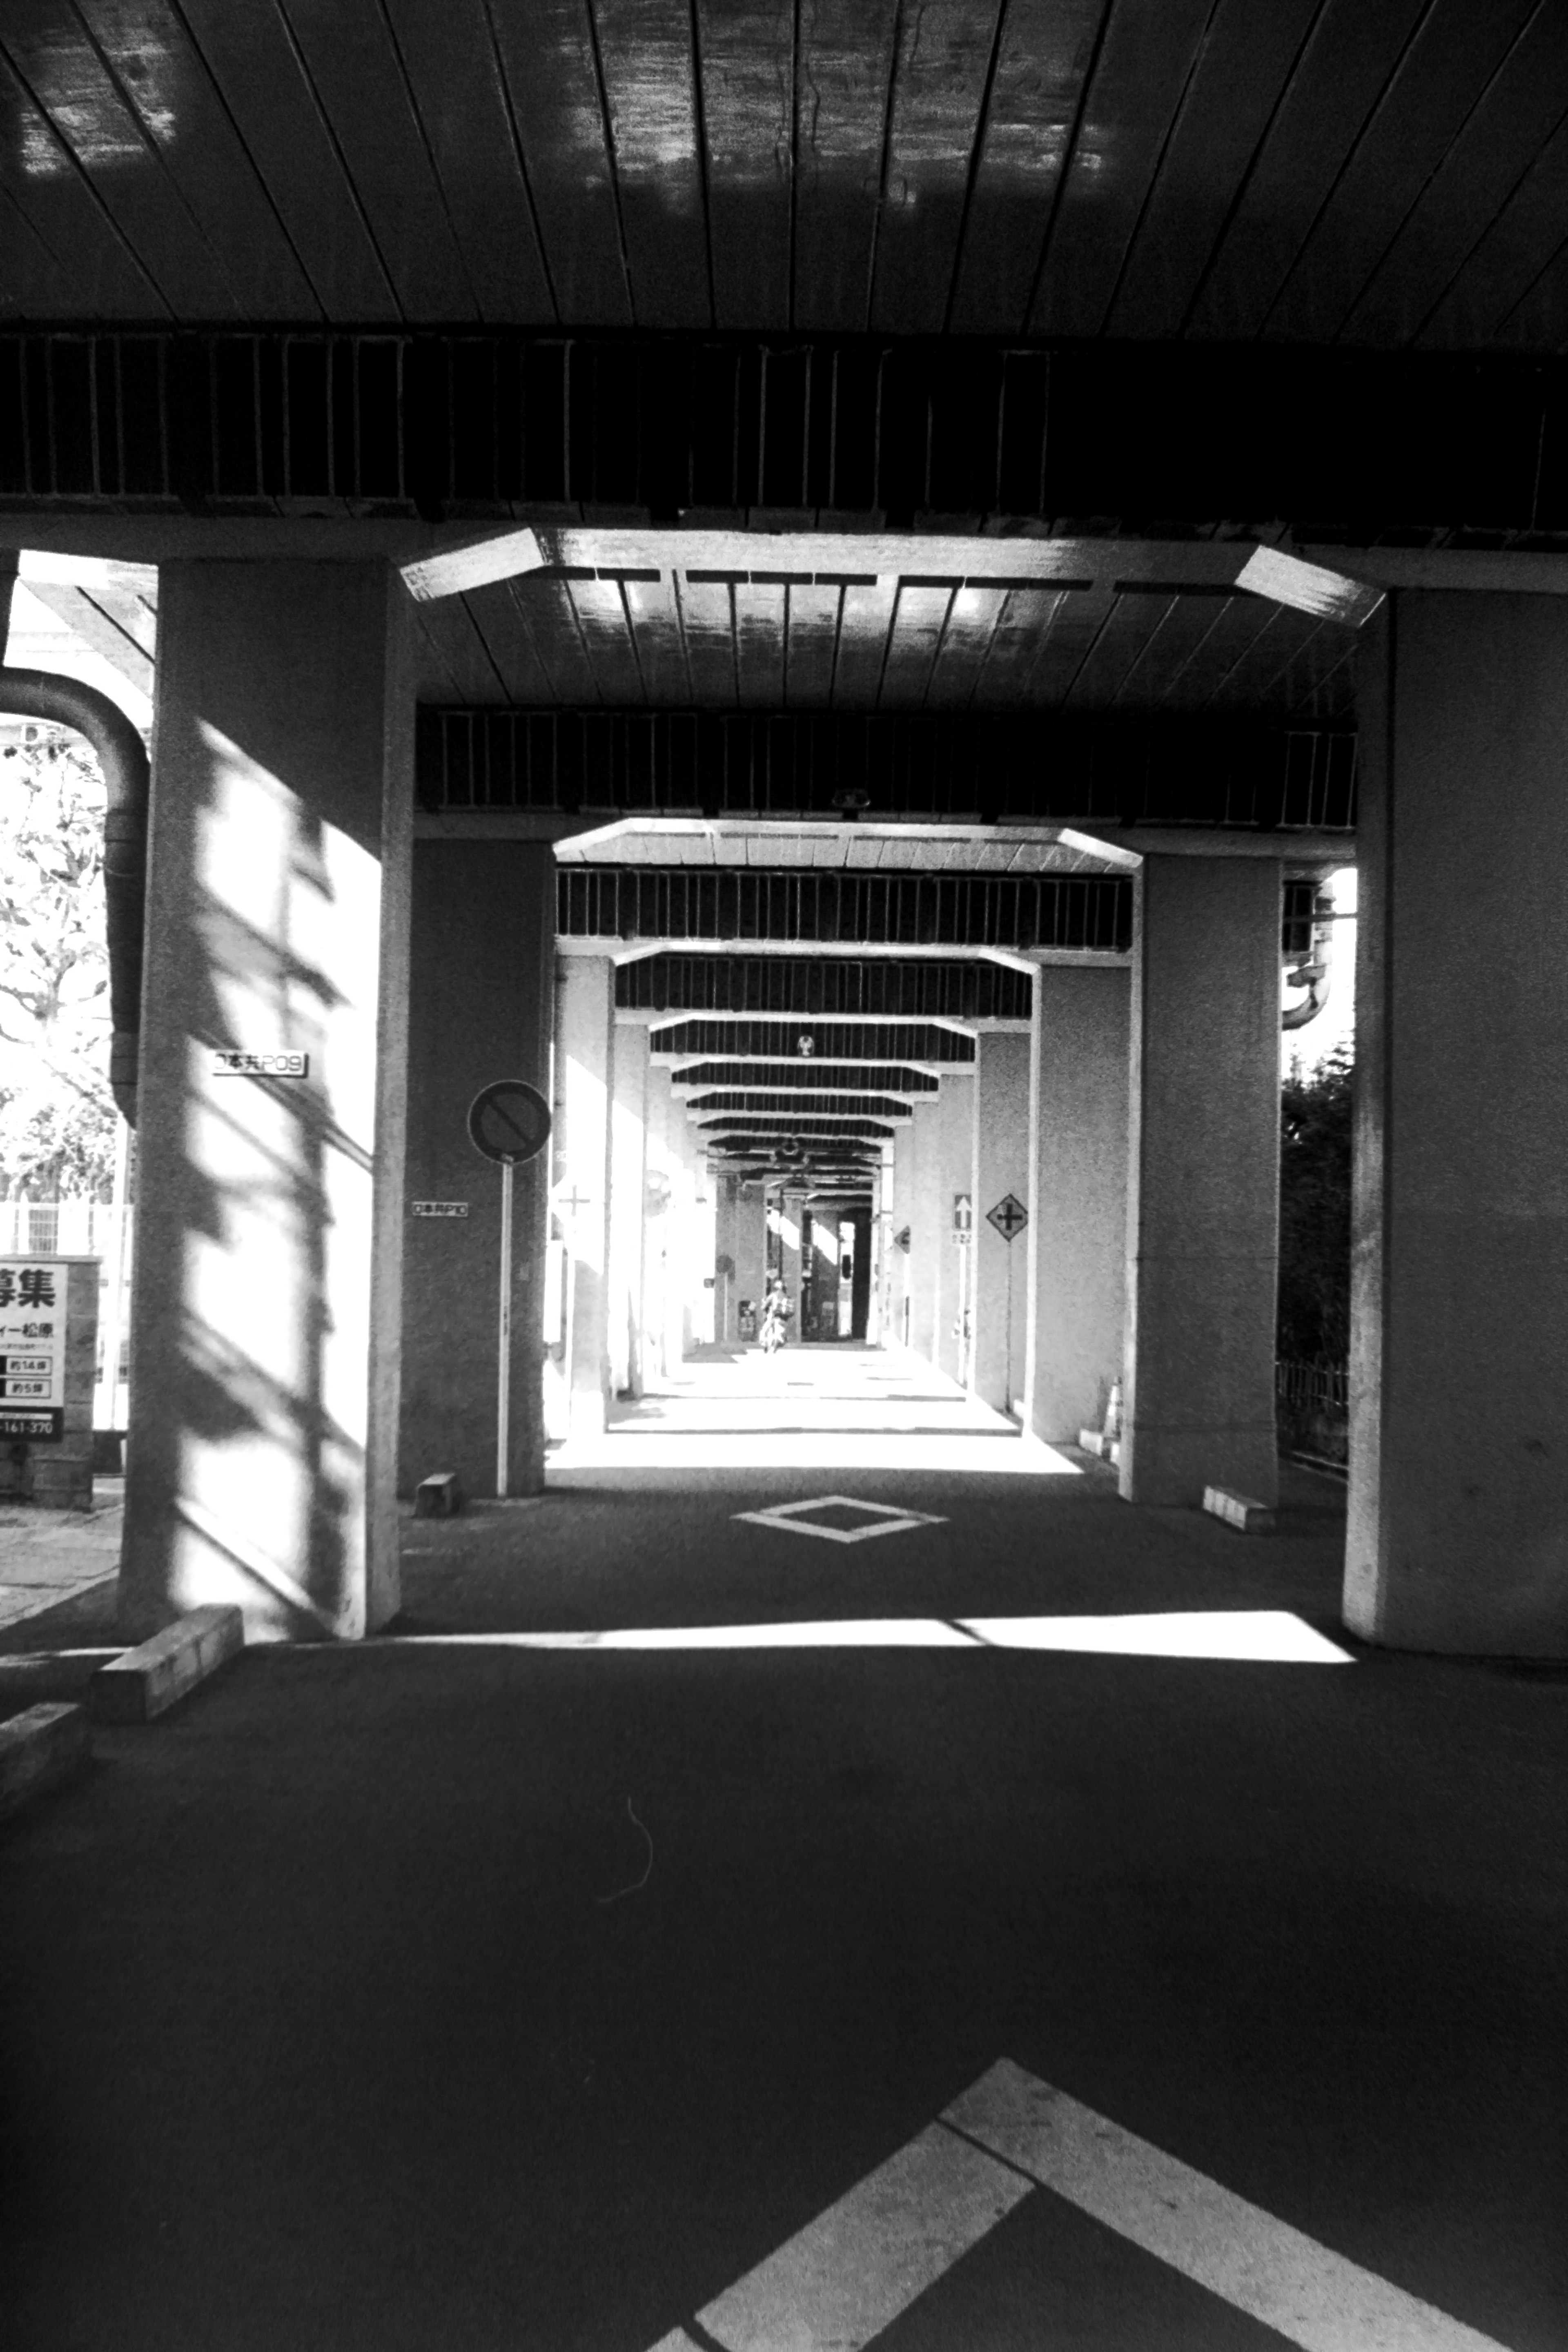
(149, 1679)
(38, 1749)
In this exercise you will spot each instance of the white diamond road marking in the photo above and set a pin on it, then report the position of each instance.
(882, 1519)
(848, 2275)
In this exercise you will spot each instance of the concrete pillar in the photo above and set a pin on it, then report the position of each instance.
(999, 1270)
(665, 1113)
(583, 1080)
(481, 1007)
(750, 1250)
(269, 1222)
(928, 1220)
(1459, 1496)
(1203, 1196)
(629, 1176)
(955, 1260)
(1074, 1274)
(792, 1215)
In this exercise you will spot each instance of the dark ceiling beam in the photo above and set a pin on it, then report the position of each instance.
(1341, 446)
(902, 764)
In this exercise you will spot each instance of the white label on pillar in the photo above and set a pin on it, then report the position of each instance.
(228, 1065)
(439, 1208)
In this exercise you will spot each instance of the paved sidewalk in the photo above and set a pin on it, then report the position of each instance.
(47, 1557)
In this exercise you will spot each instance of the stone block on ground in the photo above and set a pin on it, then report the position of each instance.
(438, 1497)
(39, 1749)
(1242, 1511)
(149, 1679)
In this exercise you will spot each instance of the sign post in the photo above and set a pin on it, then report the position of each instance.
(1009, 1216)
(509, 1123)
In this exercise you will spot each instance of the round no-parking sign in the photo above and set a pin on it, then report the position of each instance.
(508, 1122)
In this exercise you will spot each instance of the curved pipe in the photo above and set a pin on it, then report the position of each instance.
(1314, 970)
(122, 756)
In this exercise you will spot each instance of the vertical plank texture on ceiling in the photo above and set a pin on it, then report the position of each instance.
(649, 76)
(552, 73)
(1176, 636)
(1104, 667)
(653, 613)
(941, 73)
(811, 646)
(747, 59)
(1137, 85)
(846, 64)
(252, 58)
(708, 630)
(167, 82)
(1042, 65)
(1507, 130)
(76, 126)
(919, 618)
(359, 79)
(1513, 286)
(460, 95)
(759, 645)
(1237, 84)
(1345, 64)
(966, 644)
(1437, 82)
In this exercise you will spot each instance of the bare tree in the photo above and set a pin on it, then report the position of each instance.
(57, 1115)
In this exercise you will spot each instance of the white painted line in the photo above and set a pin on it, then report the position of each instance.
(1310, 2295)
(882, 1518)
(849, 2273)
(677, 2340)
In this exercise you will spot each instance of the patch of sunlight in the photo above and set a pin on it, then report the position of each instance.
(1268, 1636)
(813, 1449)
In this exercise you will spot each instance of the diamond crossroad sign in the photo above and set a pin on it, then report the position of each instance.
(880, 1518)
(1009, 1216)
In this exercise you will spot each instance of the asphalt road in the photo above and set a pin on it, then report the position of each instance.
(453, 1993)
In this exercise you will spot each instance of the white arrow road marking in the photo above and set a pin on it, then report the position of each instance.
(1307, 2294)
(850, 2273)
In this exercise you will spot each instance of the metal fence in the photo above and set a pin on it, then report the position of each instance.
(1312, 1408)
(97, 1229)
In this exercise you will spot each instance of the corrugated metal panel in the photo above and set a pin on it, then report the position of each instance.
(1089, 911)
(933, 990)
(744, 763)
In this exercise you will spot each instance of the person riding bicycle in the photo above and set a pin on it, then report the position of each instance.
(775, 1314)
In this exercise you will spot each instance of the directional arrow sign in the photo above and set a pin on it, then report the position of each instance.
(1009, 1216)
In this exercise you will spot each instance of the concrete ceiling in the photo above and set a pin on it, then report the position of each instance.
(846, 849)
(1382, 172)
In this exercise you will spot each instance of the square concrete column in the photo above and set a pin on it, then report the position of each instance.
(1203, 1195)
(481, 1008)
(751, 1251)
(955, 1259)
(629, 1179)
(921, 1143)
(263, 1441)
(1458, 1498)
(999, 1272)
(1075, 1272)
(585, 998)
(662, 1309)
